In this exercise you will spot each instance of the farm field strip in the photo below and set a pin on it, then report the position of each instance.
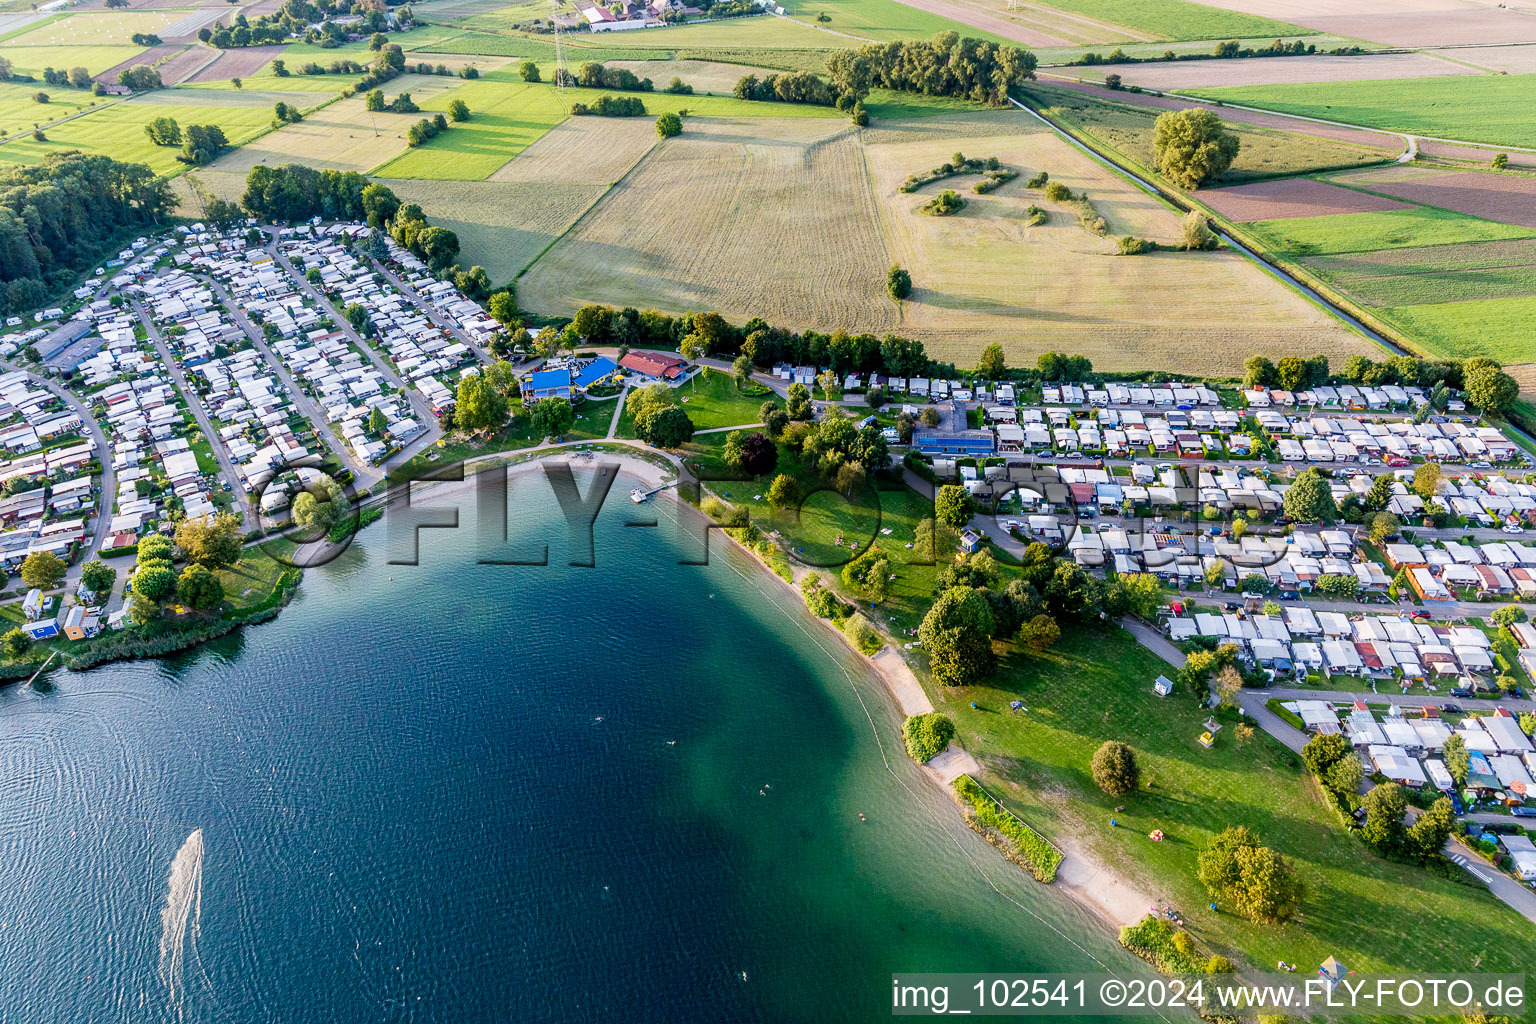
(886, 20)
(1498, 328)
(1396, 22)
(118, 131)
(1178, 19)
(95, 59)
(1293, 198)
(1493, 109)
(94, 29)
(243, 62)
(1364, 232)
(1208, 74)
(1506, 198)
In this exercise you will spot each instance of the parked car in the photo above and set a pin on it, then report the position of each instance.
(1456, 803)
(1450, 708)
(1462, 692)
(1523, 812)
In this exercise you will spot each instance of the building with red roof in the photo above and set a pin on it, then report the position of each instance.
(653, 364)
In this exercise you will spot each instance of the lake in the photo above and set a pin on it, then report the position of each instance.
(461, 792)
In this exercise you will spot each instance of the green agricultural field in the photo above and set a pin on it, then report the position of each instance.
(93, 28)
(506, 116)
(18, 109)
(1364, 232)
(1096, 685)
(1451, 286)
(883, 20)
(1176, 19)
(31, 60)
(32, 27)
(1498, 328)
(1495, 108)
(1054, 55)
(118, 131)
(1432, 259)
(762, 31)
(1128, 130)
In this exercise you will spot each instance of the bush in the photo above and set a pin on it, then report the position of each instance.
(862, 635)
(1030, 848)
(669, 126)
(944, 204)
(927, 735)
(1056, 192)
(1132, 246)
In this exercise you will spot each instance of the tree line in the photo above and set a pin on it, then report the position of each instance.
(946, 65)
(1481, 379)
(57, 217)
(1227, 50)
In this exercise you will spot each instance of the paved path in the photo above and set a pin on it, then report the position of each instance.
(1516, 894)
(194, 403)
(1291, 693)
(618, 412)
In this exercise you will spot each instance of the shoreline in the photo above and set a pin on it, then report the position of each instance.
(1106, 894)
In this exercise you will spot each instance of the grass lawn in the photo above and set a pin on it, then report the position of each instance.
(1498, 328)
(18, 110)
(592, 419)
(711, 400)
(1128, 130)
(1364, 232)
(118, 131)
(884, 20)
(1096, 685)
(1176, 19)
(252, 579)
(1495, 108)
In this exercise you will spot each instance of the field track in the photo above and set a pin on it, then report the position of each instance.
(1292, 197)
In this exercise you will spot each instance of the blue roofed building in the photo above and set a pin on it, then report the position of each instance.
(547, 384)
(972, 443)
(594, 371)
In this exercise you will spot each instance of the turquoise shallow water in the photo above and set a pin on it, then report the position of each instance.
(461, 793)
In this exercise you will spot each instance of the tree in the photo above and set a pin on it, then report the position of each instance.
(142, 608)
(553, 417)
(1291, 373)
(742, 369)
(1191, 146)
(43, 570)
(953, 506)
(529, 71)
(1379, 497)
(153, 580)
(783, 493)
(1427, 835)
(1258, 372)
(458, 110)
(898, 283)
(991, 364)
(1490, 389)
(163, 131)
(478, 406)
(759, 455)
(357, 315)
(665, 428)
(1426, 481)
(374, 100)
(377, 423)
(213, 541)
(1261, 884)
(1500, 161)
(957, 634)
(1508, 615)
(827, 381)
(503, 309)
(1215, 573)
(1114, 768)
(1383, 525)
(1039, 633)
(1309, 499)
(868, 575)
(98, 577)
(1457, 761)
(1345, 775)
(1195, 232)
(1384, 806)
(199, 587)
(320, 505)
(15, 643)
(669, 126)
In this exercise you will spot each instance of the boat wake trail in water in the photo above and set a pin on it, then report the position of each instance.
(181, 919)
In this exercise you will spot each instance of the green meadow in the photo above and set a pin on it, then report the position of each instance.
(1492, 108)
(1176, 19)
(1501, 329)
(118, 131)
(1364, 232)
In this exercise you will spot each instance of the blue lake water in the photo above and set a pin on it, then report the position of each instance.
(459, 792)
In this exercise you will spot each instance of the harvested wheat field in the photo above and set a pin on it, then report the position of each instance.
(502, 226)
(985, 274)
(1292, 197)
(583, 151)
(1029, 23)
(704, 75)
(1397, 22)
(187, 63)
(342, 136)
(1198, 74)
(982, 124)
(1507, 198)
(152, 56)
(762, 217)
(242, 62)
